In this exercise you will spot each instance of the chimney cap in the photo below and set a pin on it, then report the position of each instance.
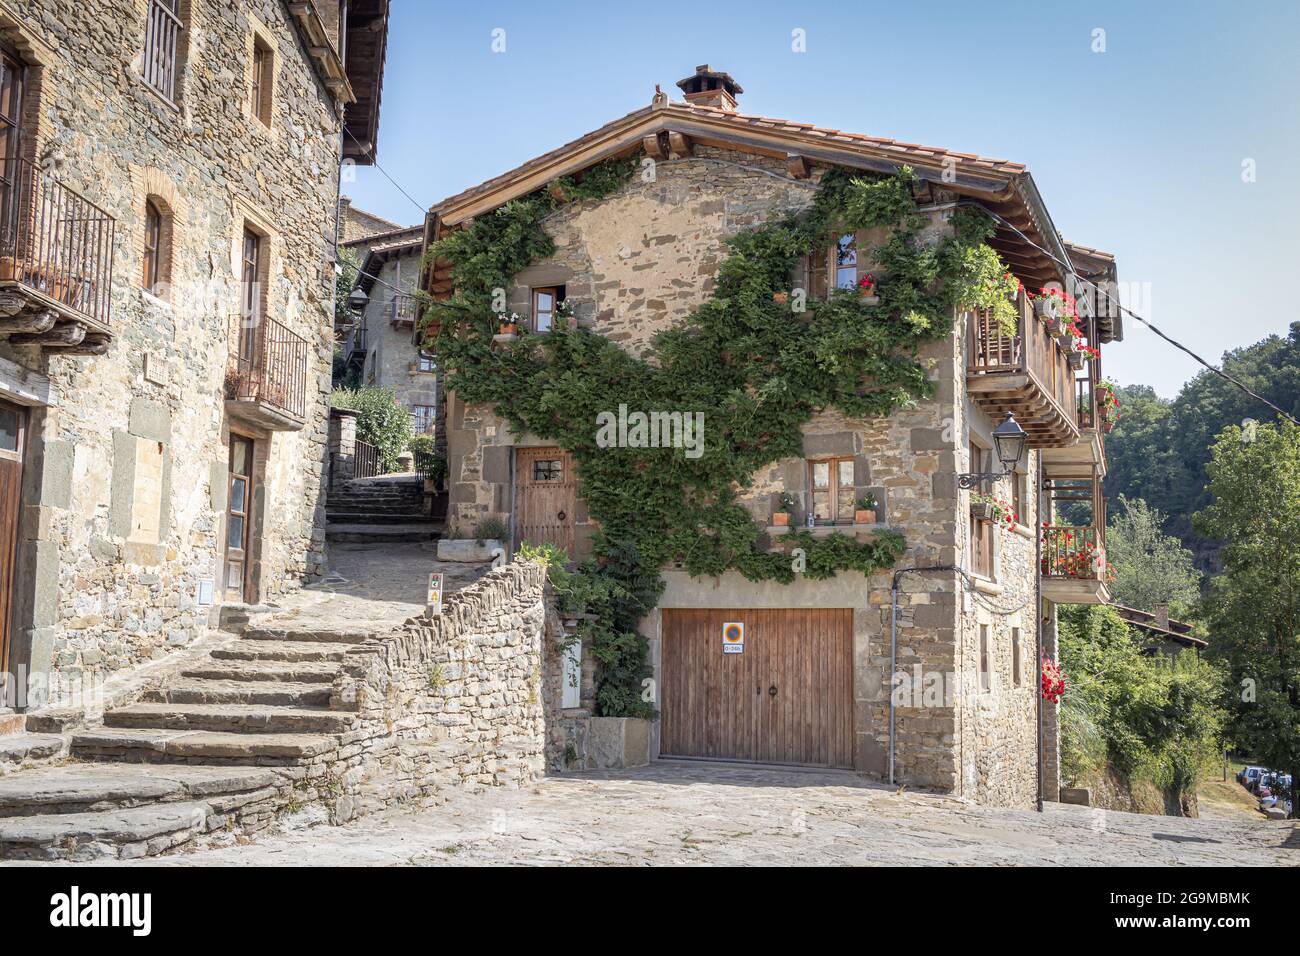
(698, 81)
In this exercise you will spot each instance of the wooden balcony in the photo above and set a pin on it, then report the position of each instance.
(1073, 564)
(56, 263)
(403, 309)
(1027, 374)
(1088, 455)
(266, 382)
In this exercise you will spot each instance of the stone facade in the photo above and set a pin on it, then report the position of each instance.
(640, 261)
(122, 537)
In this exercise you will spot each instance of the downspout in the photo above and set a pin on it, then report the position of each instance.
(893, 644)
(1038, 619)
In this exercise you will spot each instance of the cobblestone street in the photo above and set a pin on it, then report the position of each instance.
(678, 813)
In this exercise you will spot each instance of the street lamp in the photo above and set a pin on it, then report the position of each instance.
(1009, 441)
(357, 299)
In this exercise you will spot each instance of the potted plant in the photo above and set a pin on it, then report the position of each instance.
(784, 509)
(780, 298)
(866, 510)
(989, 508)
(1107, 406)
(867, 289)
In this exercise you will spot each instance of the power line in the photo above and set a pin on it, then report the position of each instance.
(375, 162)
(1129, 312)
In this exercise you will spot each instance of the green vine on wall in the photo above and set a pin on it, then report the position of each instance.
(755, 369)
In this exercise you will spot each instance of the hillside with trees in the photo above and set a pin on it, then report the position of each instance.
(1160, 449)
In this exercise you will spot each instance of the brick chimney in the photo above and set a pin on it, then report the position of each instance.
(1161, 612)
(711, 88)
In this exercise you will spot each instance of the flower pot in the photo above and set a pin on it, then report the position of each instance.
(981, 511)
(864, 516)
(10, 268)
(780, 519)
(1075, 358)
(1107, 427)
(508, 328)
(780, 298)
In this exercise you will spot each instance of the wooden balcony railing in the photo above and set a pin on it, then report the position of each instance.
(1086, 404)
(1073, 551)
(1016, 372)
(403, 307)
(55, 241)
(269, 365)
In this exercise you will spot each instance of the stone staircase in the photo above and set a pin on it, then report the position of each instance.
(232, 740)
(384, 509)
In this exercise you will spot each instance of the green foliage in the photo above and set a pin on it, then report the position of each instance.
(753, 368)
(382, 422)
(427, 459)
(490, 529)
(345, 276)
(1253, 607)
(1150, 566)
(1160, 449)
(1142, 716)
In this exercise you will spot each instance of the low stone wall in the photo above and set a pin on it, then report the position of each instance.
(455, 700)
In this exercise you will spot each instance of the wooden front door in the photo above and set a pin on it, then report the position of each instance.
(546, 495)
(239, 517)
(13, 436)
(786, 699)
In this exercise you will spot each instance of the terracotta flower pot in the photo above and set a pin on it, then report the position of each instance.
(864, 516)
(780, 298)
(780, 519)
(508, 328)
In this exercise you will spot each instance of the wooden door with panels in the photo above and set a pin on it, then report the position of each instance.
(13, 439)
(546, 496)
(239, 519)
(787, 698)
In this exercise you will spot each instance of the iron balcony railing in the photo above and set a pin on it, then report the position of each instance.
(269, 365)
(55, 241)
(365, 463)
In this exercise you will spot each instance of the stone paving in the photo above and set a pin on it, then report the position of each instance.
(680, 813)
(377, 586)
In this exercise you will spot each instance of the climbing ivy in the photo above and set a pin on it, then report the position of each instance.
(755, 369)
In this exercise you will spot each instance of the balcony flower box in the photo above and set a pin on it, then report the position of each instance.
(780, 519)
(864, 516)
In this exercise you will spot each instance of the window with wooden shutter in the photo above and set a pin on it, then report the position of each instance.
(260, 82)
(830, 483)
(162, 42)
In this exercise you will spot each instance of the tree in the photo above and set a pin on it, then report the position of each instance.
(1150, 566)
(382, 422)
(1254, 605)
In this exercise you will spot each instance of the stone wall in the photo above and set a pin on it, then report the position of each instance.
(458, 699)
(126, 473)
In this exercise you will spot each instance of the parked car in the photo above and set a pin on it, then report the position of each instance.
(1247, 775)
(1258, 780)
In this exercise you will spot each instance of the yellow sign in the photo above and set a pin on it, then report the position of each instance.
(433, 604)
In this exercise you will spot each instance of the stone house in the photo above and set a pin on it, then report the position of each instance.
(380, 347)
(812, 684)
(167, 248)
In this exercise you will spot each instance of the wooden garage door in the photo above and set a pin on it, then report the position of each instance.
(787, 699)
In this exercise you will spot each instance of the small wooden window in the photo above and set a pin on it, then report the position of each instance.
(1016, 666)
(981, 531)
(153, 247)
(250, 294)
(162, 40)
(422, 419)
(260, 89)
(427, 363)
(1018, 497)
(831, 483)
(548, 469)
(545, 301)
(985, 669)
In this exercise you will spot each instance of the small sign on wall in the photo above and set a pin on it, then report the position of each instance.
(433, 603)
(733, 637)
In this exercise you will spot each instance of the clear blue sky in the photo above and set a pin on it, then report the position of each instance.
(1137, 150)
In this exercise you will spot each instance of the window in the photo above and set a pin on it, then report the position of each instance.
(162, 40)
(422, 418)
(981, 531)
(153, 247)
(250, 303)
(985, 683)
(846, 262)
(832, 489)
(548, 469)
(545, 301)
(1018, 497)
(426, 362)
(1015, 657)
(259, 98)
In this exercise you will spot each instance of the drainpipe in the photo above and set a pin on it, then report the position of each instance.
(1038, 621)
(893, 644)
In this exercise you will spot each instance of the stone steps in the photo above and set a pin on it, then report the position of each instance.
(96, 787)
(151, 745)
(383, 533)
(230, 718)
(121, 834)
(319, 636)
(278, 650)
(275, 693)
(19, 750)
(372, 516)
(302, 672)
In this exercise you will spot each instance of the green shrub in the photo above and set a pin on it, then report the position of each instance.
(383, 422)
(490, 529)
